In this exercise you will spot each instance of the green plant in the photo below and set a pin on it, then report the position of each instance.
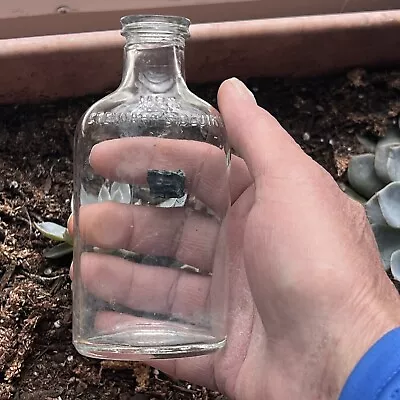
(119, 192)
(374, 179)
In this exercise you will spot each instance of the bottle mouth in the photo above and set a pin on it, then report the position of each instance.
(155, 25)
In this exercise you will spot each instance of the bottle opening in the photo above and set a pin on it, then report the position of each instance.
(155, 28)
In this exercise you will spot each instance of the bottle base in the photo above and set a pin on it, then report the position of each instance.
(140, 346)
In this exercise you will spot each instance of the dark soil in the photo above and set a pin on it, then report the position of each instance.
(37, 359)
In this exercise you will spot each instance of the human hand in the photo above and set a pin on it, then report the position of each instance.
(308, 293)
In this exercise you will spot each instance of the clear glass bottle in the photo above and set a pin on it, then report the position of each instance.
(151, 193)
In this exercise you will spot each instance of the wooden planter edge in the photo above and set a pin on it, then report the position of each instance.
(59, 66)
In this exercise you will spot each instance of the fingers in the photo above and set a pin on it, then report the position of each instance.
(186, 235)
(146, 288)
(205, 166)
(266, 147)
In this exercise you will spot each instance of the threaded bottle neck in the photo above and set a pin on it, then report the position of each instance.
(150, 30)
(154, 58)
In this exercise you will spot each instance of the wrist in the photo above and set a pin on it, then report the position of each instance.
(377, 375)
(358, 336)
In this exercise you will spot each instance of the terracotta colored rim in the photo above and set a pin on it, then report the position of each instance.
(50, 67)
(52, 17)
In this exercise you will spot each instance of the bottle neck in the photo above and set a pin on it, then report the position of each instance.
(153, 68)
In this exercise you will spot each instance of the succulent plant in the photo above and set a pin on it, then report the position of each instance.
(374, 179)
(118, 192)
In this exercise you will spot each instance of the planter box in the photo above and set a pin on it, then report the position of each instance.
(56, 66)
(22, 18)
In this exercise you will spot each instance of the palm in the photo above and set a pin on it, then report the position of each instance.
(234, 369)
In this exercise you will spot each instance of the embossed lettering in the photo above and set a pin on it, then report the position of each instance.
(152, 118)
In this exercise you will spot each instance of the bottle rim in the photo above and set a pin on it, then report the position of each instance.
(155, 24)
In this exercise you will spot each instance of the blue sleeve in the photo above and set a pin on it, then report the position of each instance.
(377, 374)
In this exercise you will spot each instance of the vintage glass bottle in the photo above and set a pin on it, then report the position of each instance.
(151, 195)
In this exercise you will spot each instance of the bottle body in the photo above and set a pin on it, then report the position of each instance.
(151, 193)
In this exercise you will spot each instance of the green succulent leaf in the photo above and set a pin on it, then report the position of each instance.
(52, 230)
(386, 149)
(388, 240)
(376, 175)
(374, 212)
(385, 157)
(104, 194)
(68, 238)
(389, 202)
(362, 176)
(174, 202)
(120, 192)
(58, 251)
(352, 193)
(395, 265)
(393, 163)
(86, 198)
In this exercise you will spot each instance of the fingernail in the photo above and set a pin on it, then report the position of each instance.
(242, 90)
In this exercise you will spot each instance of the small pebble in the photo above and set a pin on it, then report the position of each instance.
(156, 372)
(349, 149)
(322, 140)
(57, 324)
(306, 136)
(70, 358)
(35, 373)
(361, 96)
(14, 184)
(331, 142)
(319, 108)
(48, 271)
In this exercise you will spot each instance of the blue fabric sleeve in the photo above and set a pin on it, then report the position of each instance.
(377, 374)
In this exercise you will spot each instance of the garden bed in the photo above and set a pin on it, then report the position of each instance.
(37, 359)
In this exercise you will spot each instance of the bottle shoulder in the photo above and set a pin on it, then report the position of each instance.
(126, 110)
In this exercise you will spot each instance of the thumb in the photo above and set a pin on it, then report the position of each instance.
(255, 134)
